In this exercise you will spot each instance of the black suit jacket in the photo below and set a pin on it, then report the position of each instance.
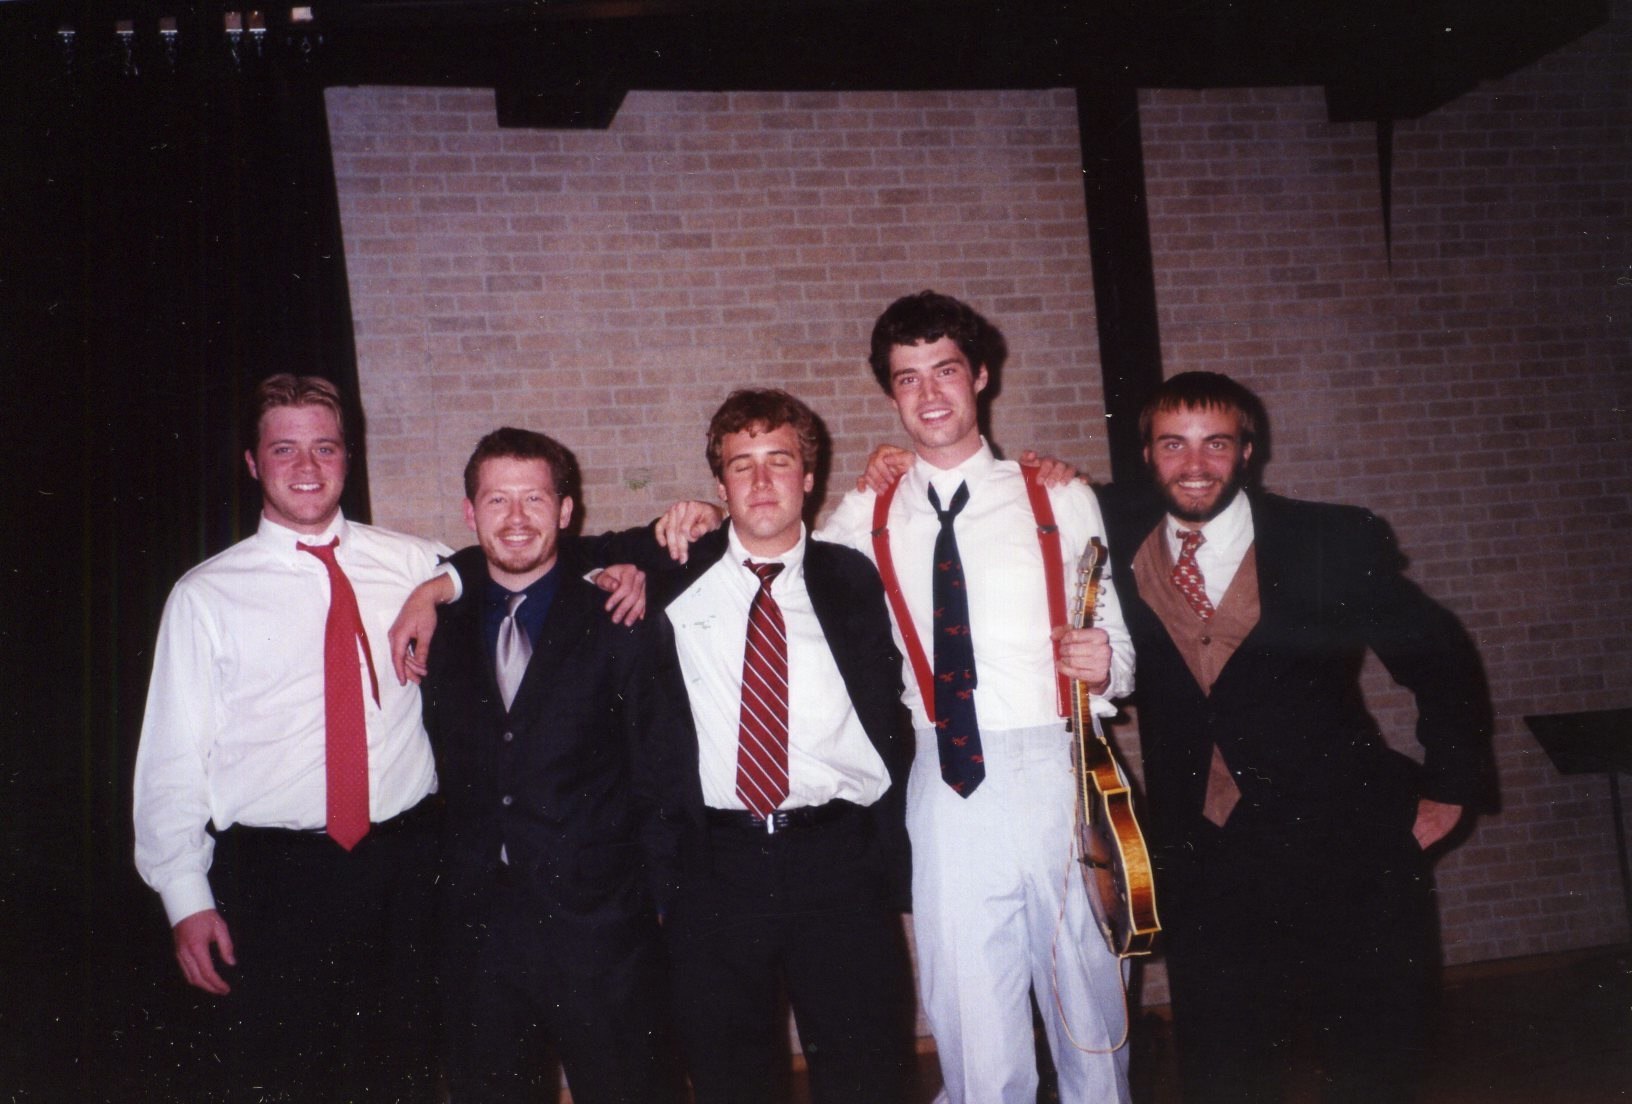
(568, 780)
(1287, 710)
(849, 602)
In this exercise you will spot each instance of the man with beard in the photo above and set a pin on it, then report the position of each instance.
(550, 725)
(1289, 839)
(782, 750)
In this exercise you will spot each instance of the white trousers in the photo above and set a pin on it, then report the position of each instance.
(988, 873)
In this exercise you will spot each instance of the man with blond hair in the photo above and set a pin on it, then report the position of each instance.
(282, 782)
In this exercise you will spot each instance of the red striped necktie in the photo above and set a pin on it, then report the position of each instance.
(762, 736)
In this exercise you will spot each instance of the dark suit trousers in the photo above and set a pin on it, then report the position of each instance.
(330, 998)
(1273, 935)
(805, 909)
(524, 974)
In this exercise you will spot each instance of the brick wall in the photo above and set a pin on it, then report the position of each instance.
(610, 287)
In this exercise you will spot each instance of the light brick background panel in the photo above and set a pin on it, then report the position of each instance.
(610, 288)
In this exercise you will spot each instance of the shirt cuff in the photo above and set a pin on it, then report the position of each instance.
(185, 896)
(452, 573)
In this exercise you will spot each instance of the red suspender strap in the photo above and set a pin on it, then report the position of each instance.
(1048, 536)
(898, 601)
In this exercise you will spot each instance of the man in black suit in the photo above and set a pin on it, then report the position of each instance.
(1289, 838)
(550, 724)
(781, 849)
(792, 876)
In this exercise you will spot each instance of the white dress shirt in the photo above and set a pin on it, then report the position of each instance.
(1229, 536)
(829, 754)
(234, 727)
(1003, 566)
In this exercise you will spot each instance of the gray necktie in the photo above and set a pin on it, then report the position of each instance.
(513, 653)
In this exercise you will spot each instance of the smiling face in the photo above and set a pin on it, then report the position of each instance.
(300, 462)
(517, 516)
(763, 483)
(1198, 460)
(933, 386)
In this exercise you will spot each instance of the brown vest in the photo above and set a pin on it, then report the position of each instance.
(1205, 645)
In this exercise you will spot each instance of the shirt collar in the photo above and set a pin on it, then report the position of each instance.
(499, 594)
(281, 538)
(793, 559)
(1231, 527)
(972, 471)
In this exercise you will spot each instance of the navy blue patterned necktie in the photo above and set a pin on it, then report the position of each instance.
(957, 734)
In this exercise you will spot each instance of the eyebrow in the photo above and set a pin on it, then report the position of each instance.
(294, 441)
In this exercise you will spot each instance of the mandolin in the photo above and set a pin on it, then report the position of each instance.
(1110, 846)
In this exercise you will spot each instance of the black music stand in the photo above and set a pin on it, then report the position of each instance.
(1597, 741)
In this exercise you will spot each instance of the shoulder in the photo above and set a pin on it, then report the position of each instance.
(1075, 497)
(830, 557)
(1317, 519)
(1131, 511)
(852, 520)
(229, 568)
(1325, 532)
(391, 542)
(231, 558)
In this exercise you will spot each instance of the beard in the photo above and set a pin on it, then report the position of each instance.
(518, 561)
(1199, 512)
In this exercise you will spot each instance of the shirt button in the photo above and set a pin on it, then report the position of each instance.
(507, 801)
(508, 736)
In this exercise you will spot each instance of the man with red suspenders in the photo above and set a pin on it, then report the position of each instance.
(964, 545)
(999, 908)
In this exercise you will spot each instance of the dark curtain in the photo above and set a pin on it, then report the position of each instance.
(170, 235)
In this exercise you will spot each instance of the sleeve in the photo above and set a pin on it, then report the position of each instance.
(638, 546)
(469, 566)
(1084, 507)
(1427, 650)
(171, 800)
(655, 713)
(446, 568)
(851, 523)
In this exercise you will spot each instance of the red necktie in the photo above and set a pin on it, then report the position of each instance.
(762, 737)
(346, 747)
(1187, 575)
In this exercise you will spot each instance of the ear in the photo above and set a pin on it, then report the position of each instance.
(566, 513)
(249, 459)
(1246, 453)
(810, 482)
(470, 515)
(981, 379)
(719, 491)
